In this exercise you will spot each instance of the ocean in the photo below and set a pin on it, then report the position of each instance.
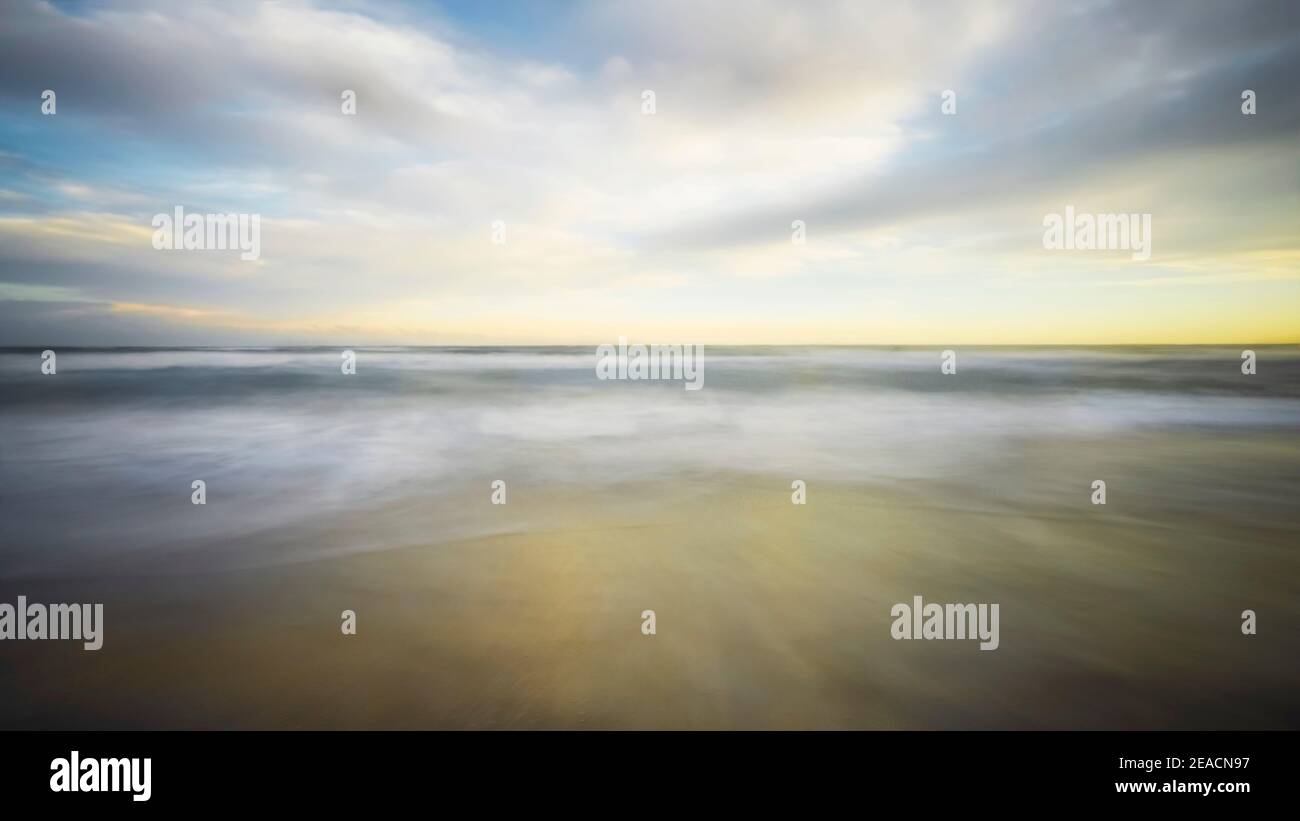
(373, 491)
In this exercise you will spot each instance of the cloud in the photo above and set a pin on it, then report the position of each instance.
(766, 113)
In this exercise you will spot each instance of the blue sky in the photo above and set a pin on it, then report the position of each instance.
(676, 226)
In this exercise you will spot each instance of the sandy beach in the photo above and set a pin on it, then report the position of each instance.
(769, 614)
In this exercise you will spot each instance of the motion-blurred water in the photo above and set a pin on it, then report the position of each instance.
(371, 491)
(97, 461)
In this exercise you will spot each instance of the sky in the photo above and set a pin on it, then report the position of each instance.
(920, 227)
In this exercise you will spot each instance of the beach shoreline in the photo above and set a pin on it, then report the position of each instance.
(770, 615)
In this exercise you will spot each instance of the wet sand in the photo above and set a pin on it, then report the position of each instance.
(769, 615)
